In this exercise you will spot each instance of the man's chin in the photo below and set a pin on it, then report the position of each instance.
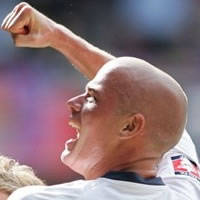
(64, 155)
(69, 147)
(68, 159)
(86, 167)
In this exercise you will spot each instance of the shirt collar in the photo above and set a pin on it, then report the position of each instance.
(133, 177)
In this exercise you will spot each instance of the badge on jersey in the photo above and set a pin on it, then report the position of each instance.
(183, 166)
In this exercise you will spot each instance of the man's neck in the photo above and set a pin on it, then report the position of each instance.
(146, 168)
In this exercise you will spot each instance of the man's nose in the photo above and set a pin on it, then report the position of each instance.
(75, 103)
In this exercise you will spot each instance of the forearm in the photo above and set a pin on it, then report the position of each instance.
(30, 28)
(87, 58)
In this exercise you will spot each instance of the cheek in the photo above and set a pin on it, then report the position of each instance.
(89, 107)
(99, 121)
(95, 111)
(89, 114)
(99, 130)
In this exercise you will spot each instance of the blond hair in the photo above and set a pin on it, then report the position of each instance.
(14, 176)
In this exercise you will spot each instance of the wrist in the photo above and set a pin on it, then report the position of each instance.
(55, 35)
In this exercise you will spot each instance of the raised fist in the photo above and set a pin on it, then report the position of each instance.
(28, 27)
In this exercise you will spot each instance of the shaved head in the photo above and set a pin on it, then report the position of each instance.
(130, 110)
(143, 88)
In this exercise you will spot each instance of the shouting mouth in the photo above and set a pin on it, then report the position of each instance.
(70, 144)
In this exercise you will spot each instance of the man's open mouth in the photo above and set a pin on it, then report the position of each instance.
(70, 144)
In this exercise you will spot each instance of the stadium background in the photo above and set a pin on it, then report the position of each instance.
(35, 83)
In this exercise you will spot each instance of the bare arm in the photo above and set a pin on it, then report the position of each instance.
(86, 57)
(30, 28)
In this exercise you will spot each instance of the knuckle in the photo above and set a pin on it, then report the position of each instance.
(22, 4)
(27, 9)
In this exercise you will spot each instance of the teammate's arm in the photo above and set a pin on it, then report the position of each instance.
(30, 28)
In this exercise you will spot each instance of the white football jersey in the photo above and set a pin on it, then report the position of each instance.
(180, 169)
(180, 181)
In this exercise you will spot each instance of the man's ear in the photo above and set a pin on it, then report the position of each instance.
(133, 126)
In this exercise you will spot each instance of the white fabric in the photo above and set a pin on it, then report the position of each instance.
(178, 187)
(99, 189)
(185, 147)
(188, 186)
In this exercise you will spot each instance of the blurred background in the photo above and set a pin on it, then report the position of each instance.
(36, 83)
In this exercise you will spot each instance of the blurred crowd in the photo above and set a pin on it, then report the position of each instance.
(35, 83)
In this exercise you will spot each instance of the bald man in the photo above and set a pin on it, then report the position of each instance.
(128, 121)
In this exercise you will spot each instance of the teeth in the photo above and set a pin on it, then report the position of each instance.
(73, 125)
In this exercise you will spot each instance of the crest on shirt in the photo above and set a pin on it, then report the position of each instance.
(183, 166)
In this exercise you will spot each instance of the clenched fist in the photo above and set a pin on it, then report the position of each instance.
(28, 27)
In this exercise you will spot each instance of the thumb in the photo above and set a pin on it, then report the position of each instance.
(23, 31)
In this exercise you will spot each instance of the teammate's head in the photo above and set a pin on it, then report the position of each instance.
(14, 176)
(130, 112)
